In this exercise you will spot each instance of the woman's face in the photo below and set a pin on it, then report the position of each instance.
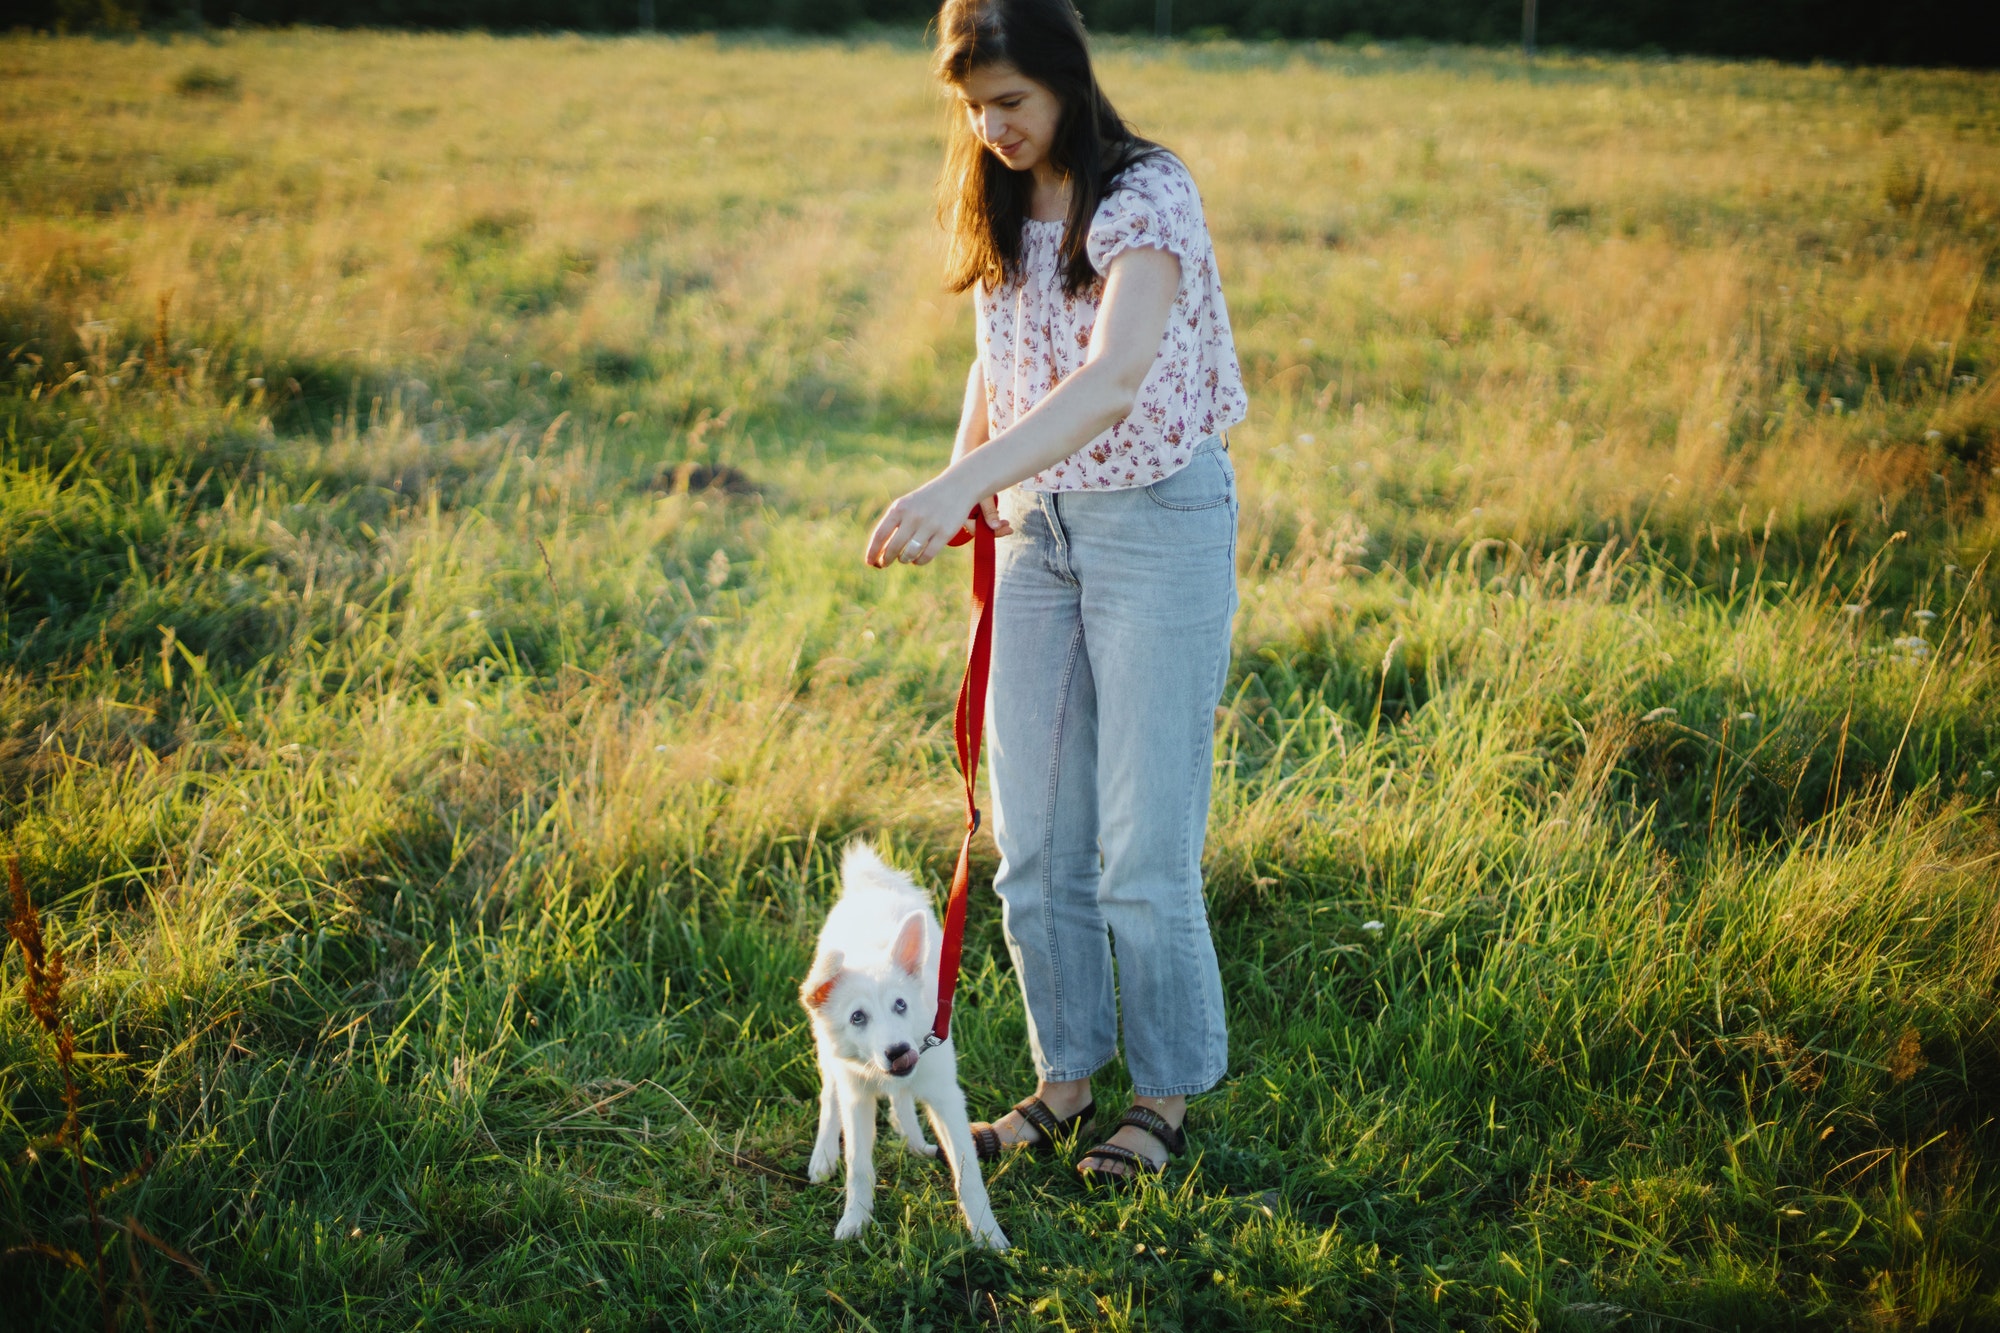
(1011, 114)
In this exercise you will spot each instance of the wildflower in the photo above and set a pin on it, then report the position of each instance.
(1661, 714)
(1852, 608)
(1925, 616)
(1914, 645)
(1934, 435)
(1305, 439)
(1746, 717)
(1372, 927)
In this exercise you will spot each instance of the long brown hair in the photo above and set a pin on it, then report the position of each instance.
(982, 202)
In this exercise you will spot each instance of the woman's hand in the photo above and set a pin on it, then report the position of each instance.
(989, 509)
(916, 527)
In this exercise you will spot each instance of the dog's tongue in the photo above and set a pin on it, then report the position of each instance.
(903, 1063)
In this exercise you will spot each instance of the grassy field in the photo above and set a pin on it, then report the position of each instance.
(437, 674)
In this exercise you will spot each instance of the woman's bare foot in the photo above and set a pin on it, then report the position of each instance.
(1063, 1099)
(1172, 1109)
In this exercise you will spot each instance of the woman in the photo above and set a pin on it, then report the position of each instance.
(1105, 377)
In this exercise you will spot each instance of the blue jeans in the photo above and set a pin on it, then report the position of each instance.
(1110, 649)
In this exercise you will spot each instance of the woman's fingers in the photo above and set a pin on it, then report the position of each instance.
(877, 554)
(902, 538)
(892, 537)
(906, 534)
(989, 509)
(923, 545)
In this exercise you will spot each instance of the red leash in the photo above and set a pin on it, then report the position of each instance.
(968, 730)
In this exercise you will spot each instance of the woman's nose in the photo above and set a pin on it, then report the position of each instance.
(992, 126)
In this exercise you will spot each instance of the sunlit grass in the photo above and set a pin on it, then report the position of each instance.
(439, 674)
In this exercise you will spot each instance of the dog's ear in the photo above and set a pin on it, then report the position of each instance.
(825, 975)
(908, 950)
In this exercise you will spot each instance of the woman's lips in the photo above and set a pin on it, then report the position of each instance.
(1009, 149)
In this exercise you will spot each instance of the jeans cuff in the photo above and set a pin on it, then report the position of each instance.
(1177, 1090)
(1059, 1076)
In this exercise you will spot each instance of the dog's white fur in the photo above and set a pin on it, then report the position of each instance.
(877, 952)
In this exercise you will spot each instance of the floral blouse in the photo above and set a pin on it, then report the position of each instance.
(1032, 334)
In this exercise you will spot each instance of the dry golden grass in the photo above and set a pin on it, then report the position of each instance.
(439, 666)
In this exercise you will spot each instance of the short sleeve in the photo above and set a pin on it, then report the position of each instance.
(1152, 205)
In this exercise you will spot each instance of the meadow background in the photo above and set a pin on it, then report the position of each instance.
(439, 675)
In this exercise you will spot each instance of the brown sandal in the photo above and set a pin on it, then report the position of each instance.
(986, 1139)
(1139, 1117)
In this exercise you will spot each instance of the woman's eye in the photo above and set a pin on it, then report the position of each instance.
(902, 1008)
(858, 1018)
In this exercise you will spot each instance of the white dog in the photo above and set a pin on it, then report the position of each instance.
(872, 994)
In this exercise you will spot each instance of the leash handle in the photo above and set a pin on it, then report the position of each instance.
(968, 732)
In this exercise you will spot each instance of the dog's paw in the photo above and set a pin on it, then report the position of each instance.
(919, 1148)
(822, 1166)
(990, 1237)
(851, 1225)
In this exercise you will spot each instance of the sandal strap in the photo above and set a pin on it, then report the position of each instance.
(985, 1141)
(1146, 1118)
(1112, 1152)
(1037, 1113)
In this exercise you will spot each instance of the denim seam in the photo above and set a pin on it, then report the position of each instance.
(1218, 1020)
(1049, 842)
(1195, 907)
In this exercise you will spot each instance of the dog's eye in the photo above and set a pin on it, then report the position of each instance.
(858, 1018)
(902, 1008)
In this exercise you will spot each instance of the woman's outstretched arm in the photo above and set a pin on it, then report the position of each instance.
(1138, 296)
(973, 426)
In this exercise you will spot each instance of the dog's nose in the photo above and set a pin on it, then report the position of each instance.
(899, 1059)
(896, 1052)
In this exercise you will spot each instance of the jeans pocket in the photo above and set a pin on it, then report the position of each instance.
(1206, 483)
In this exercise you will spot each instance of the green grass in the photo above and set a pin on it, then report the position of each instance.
(439, 676)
